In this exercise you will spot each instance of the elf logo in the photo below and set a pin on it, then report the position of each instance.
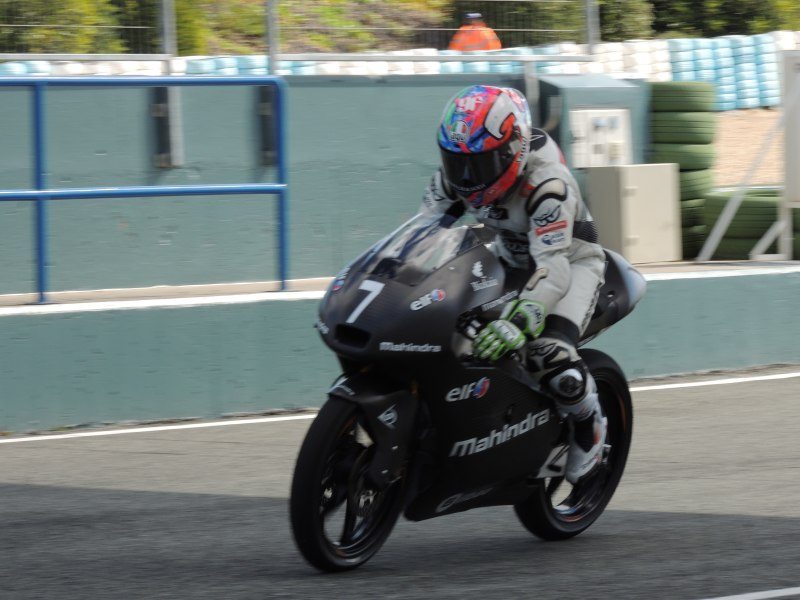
(476, 389)
(428, 299)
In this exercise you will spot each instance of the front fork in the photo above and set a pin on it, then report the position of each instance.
(391, 412)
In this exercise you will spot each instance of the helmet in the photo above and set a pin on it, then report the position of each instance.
(483, 138)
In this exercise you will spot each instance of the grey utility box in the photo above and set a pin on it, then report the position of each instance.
(596, 119)
(637, 210)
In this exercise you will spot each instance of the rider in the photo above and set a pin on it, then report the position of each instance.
(515, 179)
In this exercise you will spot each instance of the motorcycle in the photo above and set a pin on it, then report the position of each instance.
(416, 425)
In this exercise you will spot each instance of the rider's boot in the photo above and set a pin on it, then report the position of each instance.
(586, 423)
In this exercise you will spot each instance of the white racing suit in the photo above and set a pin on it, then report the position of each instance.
(544, 224)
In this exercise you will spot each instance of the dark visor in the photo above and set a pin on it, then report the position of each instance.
(475, 172)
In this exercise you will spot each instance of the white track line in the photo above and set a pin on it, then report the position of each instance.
(721, 273)
(217, 300)
(728, 381)
(83, 434)
(156, 428)
(106, 305)
(784, 593)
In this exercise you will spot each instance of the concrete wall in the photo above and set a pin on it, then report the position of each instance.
(361, 150)
(206, 361)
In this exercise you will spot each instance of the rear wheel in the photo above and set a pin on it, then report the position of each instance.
(558, 511)
(339, 518)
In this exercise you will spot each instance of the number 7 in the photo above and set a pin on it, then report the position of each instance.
(374, 288)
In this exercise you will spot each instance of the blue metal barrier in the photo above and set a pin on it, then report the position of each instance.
(40, 194)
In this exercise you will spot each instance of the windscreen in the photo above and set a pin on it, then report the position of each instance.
(418, 248)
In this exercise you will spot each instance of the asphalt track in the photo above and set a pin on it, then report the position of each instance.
(709, 507)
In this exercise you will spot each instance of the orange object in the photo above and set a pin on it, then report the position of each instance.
(474, 37)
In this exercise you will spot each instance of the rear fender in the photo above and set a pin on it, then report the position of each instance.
(391, 412)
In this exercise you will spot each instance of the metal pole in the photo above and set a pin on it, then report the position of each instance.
(271, 30)
(283, 177)
(169, 46)
(40, 183)
(169, 31)
(791, 142)
(592, 25)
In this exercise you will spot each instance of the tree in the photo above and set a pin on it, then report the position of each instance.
(74, 26)
(625, 19)
(141, 22)
(721, 17)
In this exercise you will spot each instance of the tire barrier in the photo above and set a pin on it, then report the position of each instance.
(696, 184)
(743, 69)
(683, 127)
(682, 130)
(689, 157)
(676, 96)
(692, 212)
(756, 214)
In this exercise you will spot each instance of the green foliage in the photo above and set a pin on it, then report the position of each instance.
(193, 30)
(788, 14)
(78, 26)
(625, 19)
(721, 17)
(237, 26)
(141, 20)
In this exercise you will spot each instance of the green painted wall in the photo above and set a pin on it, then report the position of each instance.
(361, 150)
(689, 325)
(206, 361)
(154, 364)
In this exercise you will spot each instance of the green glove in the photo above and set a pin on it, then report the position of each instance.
(527, 315)
(496, 339)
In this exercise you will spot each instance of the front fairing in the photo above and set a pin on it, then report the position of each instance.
(402, 299)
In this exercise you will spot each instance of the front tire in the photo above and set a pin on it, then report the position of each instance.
(330, 477)
(551, 518)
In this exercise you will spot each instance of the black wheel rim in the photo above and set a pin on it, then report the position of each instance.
(590, 495)
(352, 511)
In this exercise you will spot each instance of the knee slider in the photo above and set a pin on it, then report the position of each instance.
(568, 383)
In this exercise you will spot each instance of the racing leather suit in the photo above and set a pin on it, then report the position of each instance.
(544, 224)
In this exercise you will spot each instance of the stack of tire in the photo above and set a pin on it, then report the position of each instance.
(756, 214)
(769, 87)
(747, 86)
(682, 130)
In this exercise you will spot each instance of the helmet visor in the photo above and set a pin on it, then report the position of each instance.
(467, 173)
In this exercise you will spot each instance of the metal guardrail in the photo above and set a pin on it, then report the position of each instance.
(41, 194)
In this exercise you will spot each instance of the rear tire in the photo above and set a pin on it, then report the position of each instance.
(589, 498)
(331, 475)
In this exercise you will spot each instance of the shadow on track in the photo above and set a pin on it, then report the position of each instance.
(89, 543)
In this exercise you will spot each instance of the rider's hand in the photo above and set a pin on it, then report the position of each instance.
(527, 315)
(496, 339)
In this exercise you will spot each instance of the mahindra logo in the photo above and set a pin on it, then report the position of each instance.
(500, 436)
(476, 389)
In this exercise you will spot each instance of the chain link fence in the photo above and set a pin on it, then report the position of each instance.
(390, 27)
(53, 26)
(333, 26)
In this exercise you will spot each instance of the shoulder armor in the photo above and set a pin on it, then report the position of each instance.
(550, 188)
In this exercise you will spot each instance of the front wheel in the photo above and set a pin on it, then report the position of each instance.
(556, 513)
(339, 518)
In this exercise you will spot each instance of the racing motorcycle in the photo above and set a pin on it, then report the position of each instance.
(416, 425)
